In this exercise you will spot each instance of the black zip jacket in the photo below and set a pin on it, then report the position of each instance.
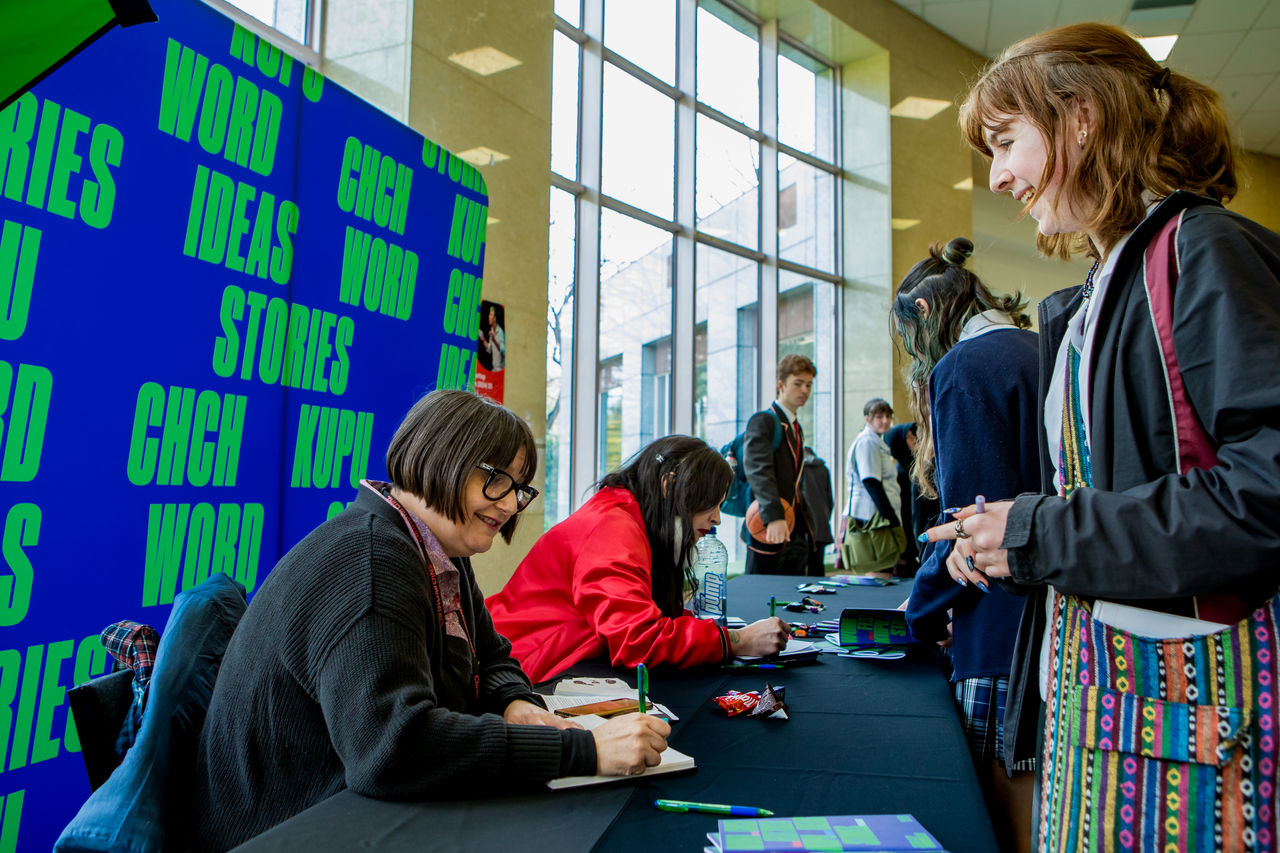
(1144, 534)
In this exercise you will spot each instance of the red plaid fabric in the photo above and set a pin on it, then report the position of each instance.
(134, 647)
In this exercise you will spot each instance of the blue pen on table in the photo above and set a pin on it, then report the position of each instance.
(710, 808)
(642, 687)
(753, 666)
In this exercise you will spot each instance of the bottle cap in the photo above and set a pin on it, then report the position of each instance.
(711, 532)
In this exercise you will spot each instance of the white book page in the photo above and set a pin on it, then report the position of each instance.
(672, 760)
(1152, 623)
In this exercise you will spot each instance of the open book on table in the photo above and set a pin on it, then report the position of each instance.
(672, 761)
(794, 651)
(872, 632)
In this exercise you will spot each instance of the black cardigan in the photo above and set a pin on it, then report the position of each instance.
(1145, 534)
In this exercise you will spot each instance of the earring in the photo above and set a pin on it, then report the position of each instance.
(1081, 137)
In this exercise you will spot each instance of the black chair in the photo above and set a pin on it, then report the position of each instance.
(99, 708)
(144, 804)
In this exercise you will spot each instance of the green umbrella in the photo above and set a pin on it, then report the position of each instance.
(37, 37)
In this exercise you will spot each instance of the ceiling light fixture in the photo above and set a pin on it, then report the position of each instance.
(966, 184)
(1158, 46)
(918, 108)
(484, 60)
(482, 156)
(903, 224)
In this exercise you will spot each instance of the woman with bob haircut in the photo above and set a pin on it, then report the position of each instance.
(609, 580)
(977, 435)
(1151, 556)
(367, 660)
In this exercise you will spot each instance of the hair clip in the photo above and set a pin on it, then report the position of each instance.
(659, 458)
(1160, 79)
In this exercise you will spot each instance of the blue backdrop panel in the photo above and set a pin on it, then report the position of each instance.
(223, 280)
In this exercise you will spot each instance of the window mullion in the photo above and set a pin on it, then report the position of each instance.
(768, 328)
(683, 275)
(586, 315)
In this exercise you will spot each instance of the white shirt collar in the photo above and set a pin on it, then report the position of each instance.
(987, 321)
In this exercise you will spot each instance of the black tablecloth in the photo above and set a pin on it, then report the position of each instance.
(865, 737)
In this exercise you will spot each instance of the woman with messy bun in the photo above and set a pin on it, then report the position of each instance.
(1150, 554)
(973, 380)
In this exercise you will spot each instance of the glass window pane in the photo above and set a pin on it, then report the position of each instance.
(556, 493)
(728, 183)
(643, 31)
(565, 62)
(806, 326)
(806, 214)
(569, 10)
(726, 311)
(805, 112)
(366, 49)
(634, 381)
(638, 159)
(729, 63)
(287, 16)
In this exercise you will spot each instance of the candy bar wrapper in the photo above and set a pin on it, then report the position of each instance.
(772, 703)
(735, 702)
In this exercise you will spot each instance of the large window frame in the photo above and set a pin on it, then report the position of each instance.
(310, 49)
(585, 187)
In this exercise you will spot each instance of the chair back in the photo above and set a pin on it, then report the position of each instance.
(143, 806)
(99, 708)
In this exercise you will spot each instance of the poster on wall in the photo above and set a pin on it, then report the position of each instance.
(491, 351)
(223, 281)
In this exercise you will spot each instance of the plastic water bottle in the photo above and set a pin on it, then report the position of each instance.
(711, 569)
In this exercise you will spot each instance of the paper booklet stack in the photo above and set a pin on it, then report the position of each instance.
(889, 833)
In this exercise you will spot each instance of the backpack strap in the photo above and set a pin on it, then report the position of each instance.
(1193, 448)
(1161, 268)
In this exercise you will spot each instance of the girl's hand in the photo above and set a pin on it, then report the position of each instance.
(976, 556)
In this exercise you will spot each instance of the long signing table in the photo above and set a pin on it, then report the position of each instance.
(864, 737)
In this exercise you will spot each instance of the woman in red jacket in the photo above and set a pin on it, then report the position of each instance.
(610, 579)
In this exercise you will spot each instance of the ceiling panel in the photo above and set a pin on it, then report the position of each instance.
(1270, 16)
(1269, 100)
(1201, 56)
(1256, 55)
(964, 21)
(1219, 16)
(1240, 93)
(1111, 11)
(1258, 131)
(1011, 20)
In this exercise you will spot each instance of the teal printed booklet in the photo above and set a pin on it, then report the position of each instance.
(889, 833)
(872, 632)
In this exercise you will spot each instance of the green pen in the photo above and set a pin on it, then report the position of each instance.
(642, 687)
(710, 808)
(773, 604)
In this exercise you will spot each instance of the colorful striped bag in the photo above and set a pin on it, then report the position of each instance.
(1161, 744)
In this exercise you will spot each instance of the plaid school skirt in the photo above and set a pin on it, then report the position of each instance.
(1160, 745)
(980, 702)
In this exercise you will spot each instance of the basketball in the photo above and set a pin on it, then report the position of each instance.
(755, 526)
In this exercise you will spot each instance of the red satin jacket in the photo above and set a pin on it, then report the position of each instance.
(584, 590)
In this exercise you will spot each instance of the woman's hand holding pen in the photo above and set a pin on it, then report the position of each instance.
(760, 639)
(984, 531)
(628, 744)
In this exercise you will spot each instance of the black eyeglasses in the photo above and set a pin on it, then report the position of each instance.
(499, 484)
